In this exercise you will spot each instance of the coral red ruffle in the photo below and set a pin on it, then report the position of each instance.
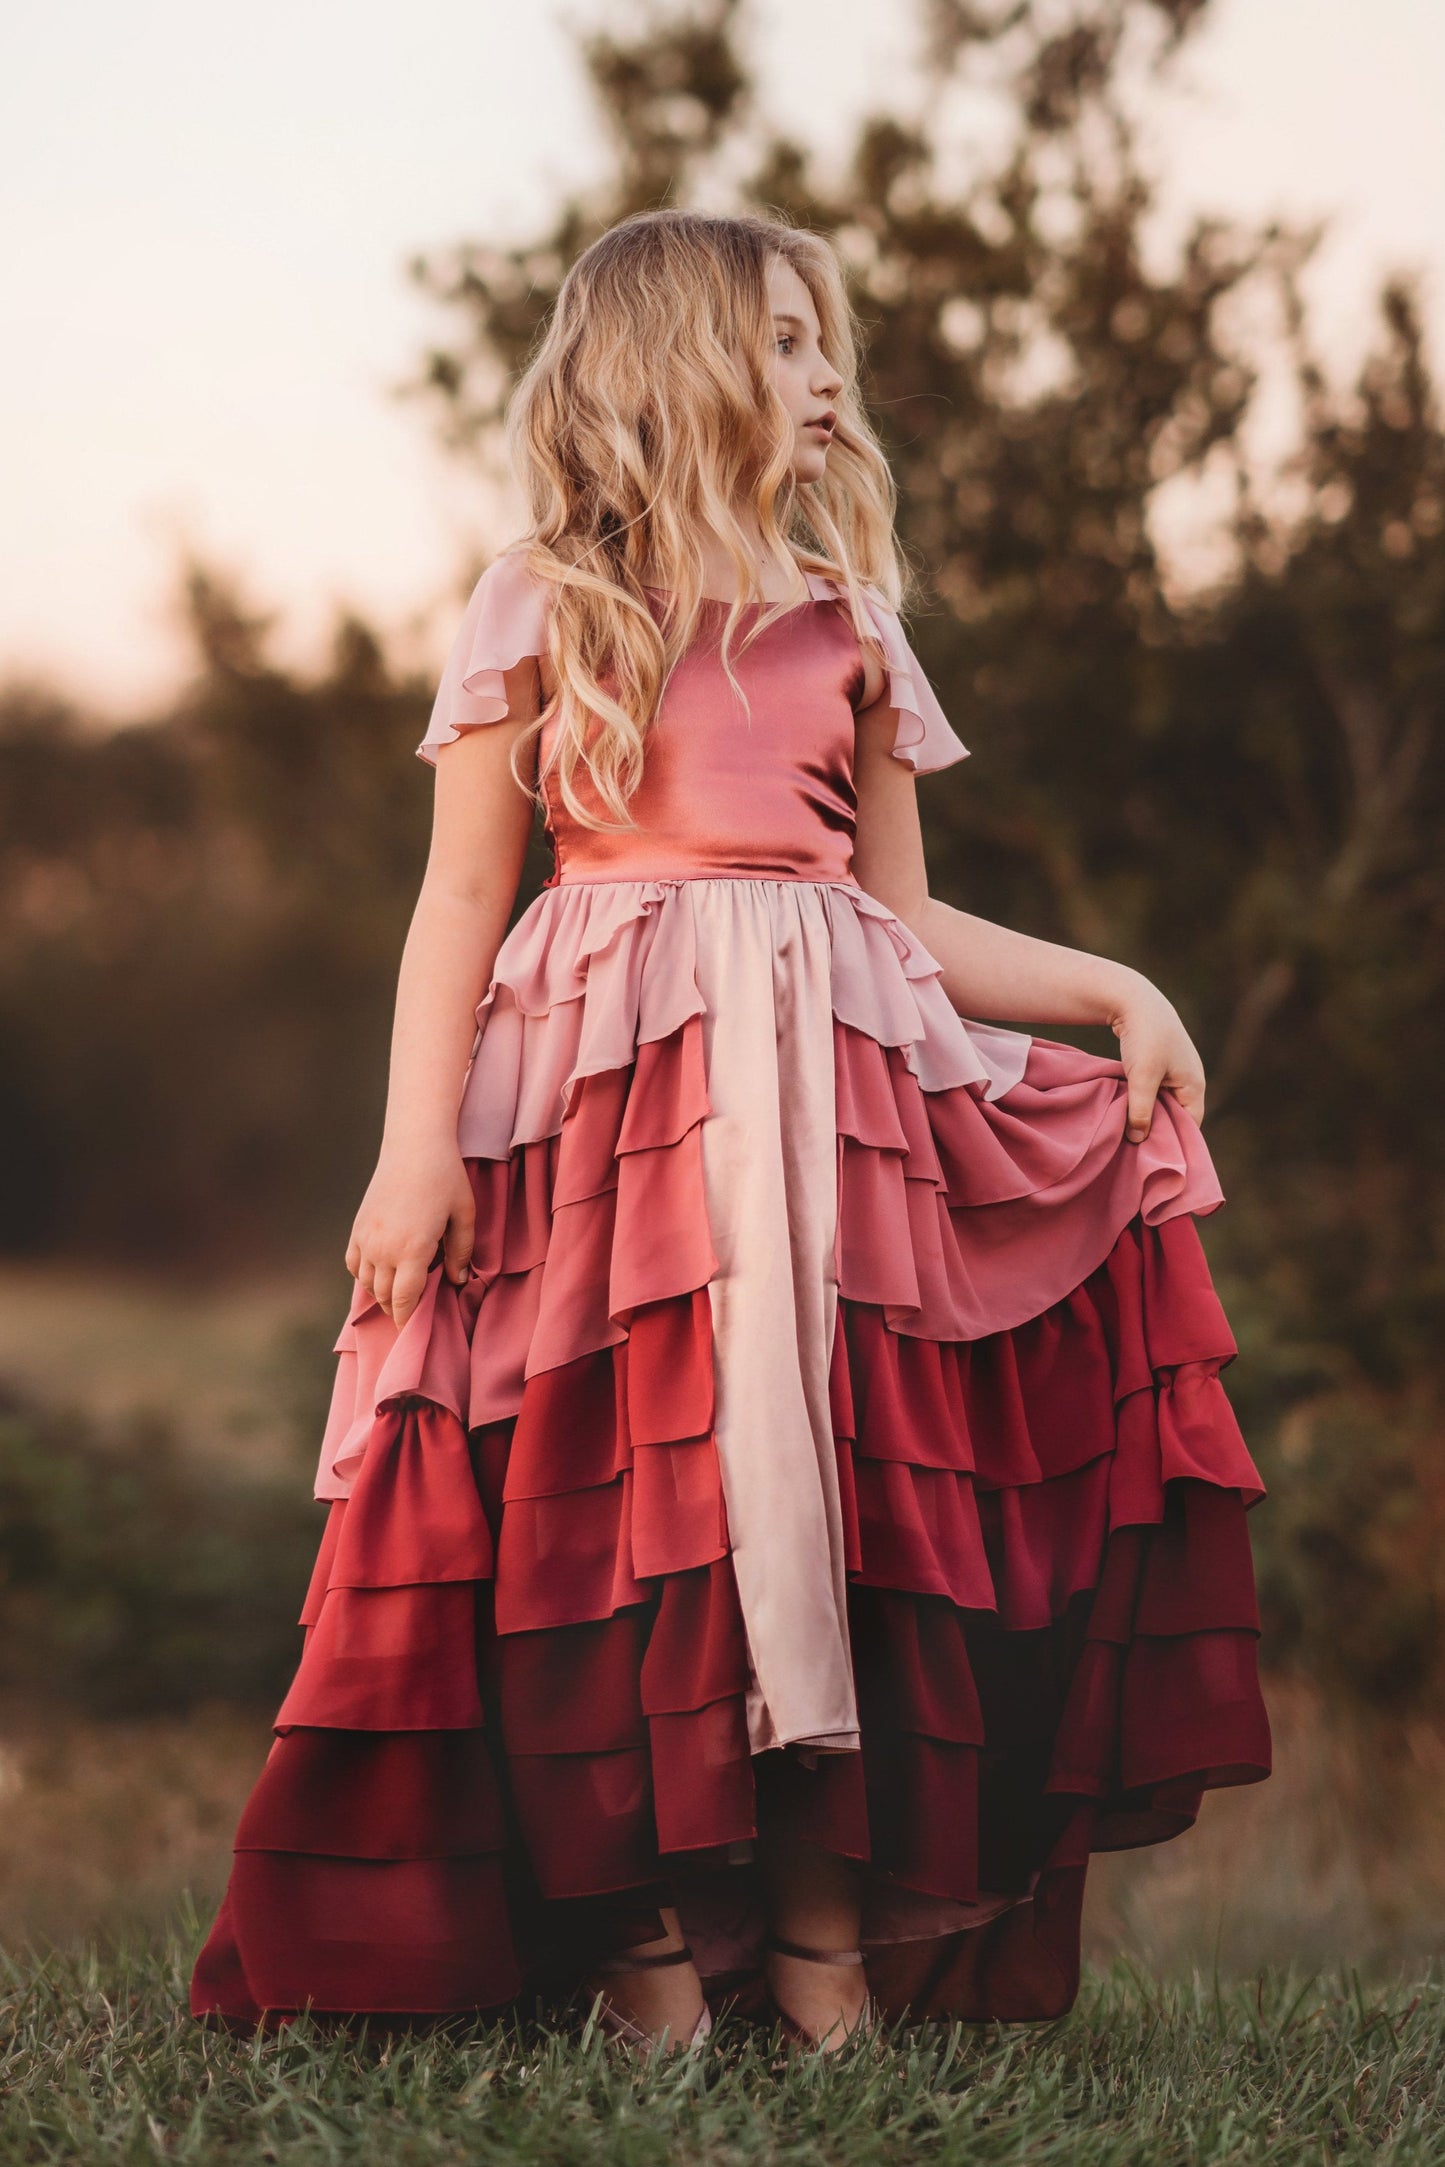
(979, 1179)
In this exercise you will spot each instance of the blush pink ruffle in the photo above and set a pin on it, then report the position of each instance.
(504, 622)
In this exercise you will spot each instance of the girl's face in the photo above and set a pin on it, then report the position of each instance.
(807, 381)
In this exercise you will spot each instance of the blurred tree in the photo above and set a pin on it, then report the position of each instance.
(200, 925)
(1239, 791)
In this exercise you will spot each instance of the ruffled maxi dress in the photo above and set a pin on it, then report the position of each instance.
(830, 1425)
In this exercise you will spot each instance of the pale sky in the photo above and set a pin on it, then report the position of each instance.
(205, 216)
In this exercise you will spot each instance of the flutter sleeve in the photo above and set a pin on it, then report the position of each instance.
(924, 738)
(503, 623)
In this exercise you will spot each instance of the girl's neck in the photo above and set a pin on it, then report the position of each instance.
(720, 583)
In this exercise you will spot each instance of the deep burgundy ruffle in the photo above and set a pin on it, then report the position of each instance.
(519, 1711)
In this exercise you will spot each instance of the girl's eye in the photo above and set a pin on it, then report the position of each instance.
(785, 338)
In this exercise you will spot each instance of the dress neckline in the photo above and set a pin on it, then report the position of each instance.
(718, 601)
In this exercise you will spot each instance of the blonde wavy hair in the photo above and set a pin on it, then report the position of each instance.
(648, 409)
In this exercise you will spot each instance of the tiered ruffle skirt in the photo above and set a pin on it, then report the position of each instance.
(527, 1710)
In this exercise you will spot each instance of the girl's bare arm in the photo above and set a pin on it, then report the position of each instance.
(419, 1194)
(991, 971)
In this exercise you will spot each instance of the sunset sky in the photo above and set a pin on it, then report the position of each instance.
(207, 214)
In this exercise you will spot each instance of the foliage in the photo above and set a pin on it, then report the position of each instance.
(103, 2064)
(1353, 1580)
(134, 1580)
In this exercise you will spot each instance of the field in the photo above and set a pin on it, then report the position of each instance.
(102, 2064)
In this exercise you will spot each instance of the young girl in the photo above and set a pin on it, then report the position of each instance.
(784, 1510)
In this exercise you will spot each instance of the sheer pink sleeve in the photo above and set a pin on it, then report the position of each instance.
(503, 623)
(924, 738)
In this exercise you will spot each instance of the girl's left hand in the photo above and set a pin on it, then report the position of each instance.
(1158, 1054)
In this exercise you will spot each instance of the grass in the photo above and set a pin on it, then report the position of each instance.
(99, 2062)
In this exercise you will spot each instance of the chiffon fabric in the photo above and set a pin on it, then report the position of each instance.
(830, 1426)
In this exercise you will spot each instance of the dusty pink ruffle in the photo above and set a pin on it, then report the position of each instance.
(594, 969)
(971, 1195)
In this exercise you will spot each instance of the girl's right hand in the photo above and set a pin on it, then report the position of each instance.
(415, 1199)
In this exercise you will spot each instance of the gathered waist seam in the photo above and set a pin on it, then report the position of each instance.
(679, 880)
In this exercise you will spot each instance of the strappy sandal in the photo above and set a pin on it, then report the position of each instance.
(622, 2028)
(867, 2018)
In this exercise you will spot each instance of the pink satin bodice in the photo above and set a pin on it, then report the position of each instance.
(762, 792)
(766, 795)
